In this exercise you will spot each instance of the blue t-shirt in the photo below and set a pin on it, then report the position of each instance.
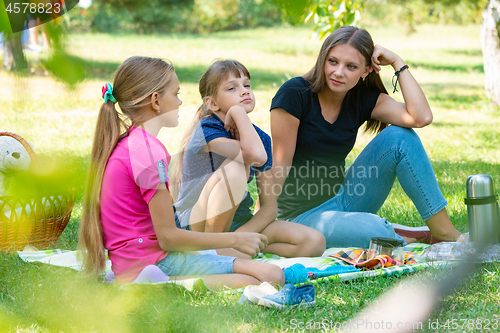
(318, 165)
(198, 167)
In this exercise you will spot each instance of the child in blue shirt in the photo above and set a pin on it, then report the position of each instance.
(223, 151)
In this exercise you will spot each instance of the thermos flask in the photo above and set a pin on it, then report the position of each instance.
(482, 209)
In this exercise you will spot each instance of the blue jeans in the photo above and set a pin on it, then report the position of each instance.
(185, 264)
(348, 219)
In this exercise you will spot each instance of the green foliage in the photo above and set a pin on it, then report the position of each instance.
(4, 19)
(182, 16)
(294, 11)
(67, 68)
(413, 12)
(59, 173)
(101, 16)
(330, 15)
(462, 140)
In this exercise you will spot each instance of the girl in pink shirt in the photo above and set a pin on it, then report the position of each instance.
(127, 207)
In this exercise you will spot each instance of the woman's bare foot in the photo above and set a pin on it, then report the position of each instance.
(409, 240)
(442, 228)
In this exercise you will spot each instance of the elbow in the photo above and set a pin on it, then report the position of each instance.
(261, 158)
(164, 243)
(168, 242)
(426, 121)
(255, 158)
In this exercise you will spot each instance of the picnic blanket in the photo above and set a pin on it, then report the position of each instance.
(70, 259)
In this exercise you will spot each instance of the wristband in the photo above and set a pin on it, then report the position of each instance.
(396, 75)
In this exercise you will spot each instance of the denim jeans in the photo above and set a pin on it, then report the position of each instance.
(185, 264)
(348, 219)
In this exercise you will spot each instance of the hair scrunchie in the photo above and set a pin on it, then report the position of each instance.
(107, 93)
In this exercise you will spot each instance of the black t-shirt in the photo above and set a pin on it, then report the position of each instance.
(318, 165)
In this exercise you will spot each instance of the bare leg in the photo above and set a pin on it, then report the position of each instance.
(441, 226)
(408, 240)
(261, 271)
(215, 208)
(246, 272)
(288, 239)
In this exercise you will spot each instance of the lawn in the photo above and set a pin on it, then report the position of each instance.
(462, 140)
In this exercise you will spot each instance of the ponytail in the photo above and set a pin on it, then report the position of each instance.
(135, 80)
(109, 130)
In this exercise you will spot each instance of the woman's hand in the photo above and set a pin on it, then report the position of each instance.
(383, 57)
(415, 111)
(250, 243)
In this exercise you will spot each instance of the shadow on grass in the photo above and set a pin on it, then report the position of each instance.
(451, 94)
(102, 70)
(449, 125)
(449, 68)
(105, 70)
(466, 52)
(452, 175)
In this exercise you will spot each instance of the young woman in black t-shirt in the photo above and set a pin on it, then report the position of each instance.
(314, 123)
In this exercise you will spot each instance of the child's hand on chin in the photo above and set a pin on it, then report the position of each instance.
(234, 132)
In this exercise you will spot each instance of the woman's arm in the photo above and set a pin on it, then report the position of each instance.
(247, 142)
(266, 209)
(284, 128)
(172, 238)
(415, 111)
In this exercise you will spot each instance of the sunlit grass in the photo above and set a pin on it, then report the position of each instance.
(463, 140)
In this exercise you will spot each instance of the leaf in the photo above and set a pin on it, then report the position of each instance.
(67, 68)
(322, 11)
(350, 18)
(4, 19)
(309, 17)
(326, 27)
(342, 9)
(295, 10)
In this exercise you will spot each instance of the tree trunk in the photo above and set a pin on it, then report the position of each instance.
(490, 43)
(13, 55)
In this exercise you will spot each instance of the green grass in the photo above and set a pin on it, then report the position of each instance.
(462, 140)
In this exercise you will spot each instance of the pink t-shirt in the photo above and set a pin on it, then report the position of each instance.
(130, 181)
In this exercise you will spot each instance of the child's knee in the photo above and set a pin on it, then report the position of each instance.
(234, 172)
(274, 274)
(314, 243)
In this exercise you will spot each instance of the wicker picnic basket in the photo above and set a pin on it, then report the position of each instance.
(38, 221)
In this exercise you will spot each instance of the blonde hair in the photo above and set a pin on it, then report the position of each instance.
(135, 80)
(208, 87)
(361, 40)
